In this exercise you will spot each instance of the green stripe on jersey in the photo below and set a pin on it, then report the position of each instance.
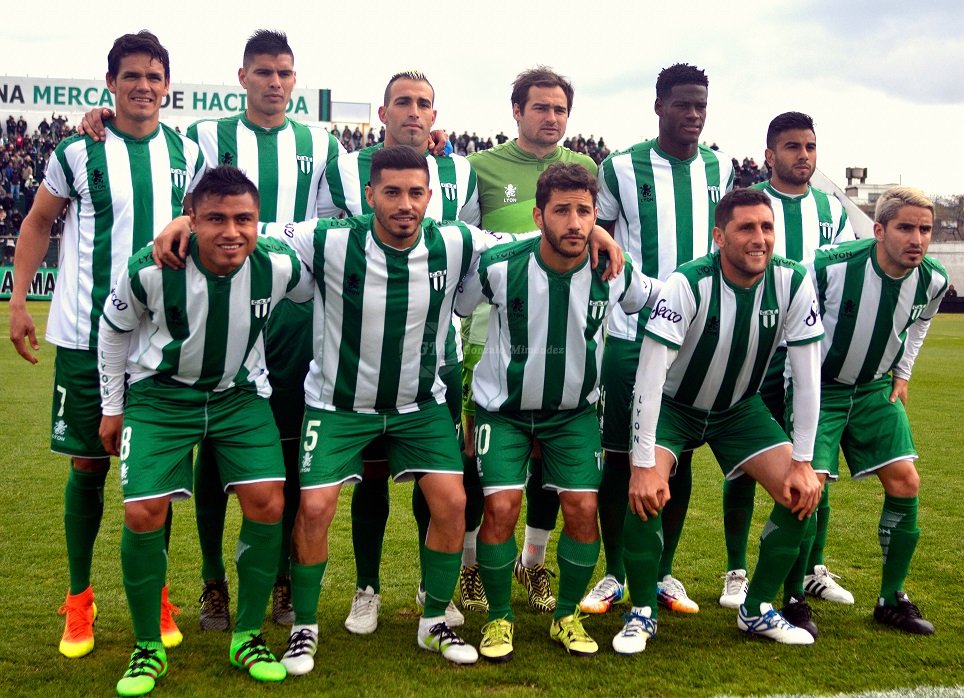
(227, 142)
(268, 174)
(396, 314)
(643, 171)
(437, 268)
(847, 320)
(179, 178)
(215, 332)
(98, 186)
(518, 309)
(177, 322)
(695, 373)
(450, 196)
(139, 157)
(364, 174)
(304, 151)
(353, 305)
(261, 285)
(598, 294)
(683, 194)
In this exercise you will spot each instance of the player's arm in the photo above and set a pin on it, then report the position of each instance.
(470, 292)
(436, 142)
(601, 241)
(122, 313)
(32, 247)
(92, 125)
(640, 292)
(805, 373)
(912, 345)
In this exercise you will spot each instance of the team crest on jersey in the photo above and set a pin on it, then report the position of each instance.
(450, 191)
(178, 178)
(261, 307)
(305, 163)
(510, 194)
(769, 317)
(597, 309)
(714, 193)
(60, 430)
(438, 279)
(826, 231)
(915, 312)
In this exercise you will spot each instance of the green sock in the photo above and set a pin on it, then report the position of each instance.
(576, 564)
(292, 490)
(673, 514)
(613, 501)
(641, 554)
(144, 567)
(495, 568)
(898, 534)
(305, 590)
(369, 516)
(737, 516)
(210, 506)
(441, 575)
(542, 505)
(83, 510)
(793, 585)
(257, 562)
(779, 548)
(822, 515)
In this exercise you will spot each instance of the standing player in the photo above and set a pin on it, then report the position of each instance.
(408, 114)
(658, 199)
(541, 102)
(804, 220)
(287, 162)
(539, 379)
(197, 372)
(118, 192)
(877, 298)
(738, 303)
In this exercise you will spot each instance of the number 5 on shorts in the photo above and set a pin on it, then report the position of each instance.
(311, 434)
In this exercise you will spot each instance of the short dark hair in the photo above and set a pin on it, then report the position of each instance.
(787, 121)
(416, 75)
(679, 74)
(141, 42)
(564, 176)
(396, 157)
(738, 197)
(540, 76)
(267, 42)
(224, 180)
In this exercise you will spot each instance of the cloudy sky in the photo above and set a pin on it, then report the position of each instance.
(882, 78)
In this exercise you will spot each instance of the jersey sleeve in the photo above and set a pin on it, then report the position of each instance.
(673, 312)
(803, 324)
(55, 178)
(193, 151)
(470, 212)
(469, 295)
(639, 290)
(607, 200)
(299, 236)
(845, 231)
(125, 305)
(301, 288)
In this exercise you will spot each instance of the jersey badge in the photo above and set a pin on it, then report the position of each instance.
(438, 279)
(916, 311)
(450, 190)
(714, 193)
(510, 194)
(597, 309)
(178, 178)
(769, 317)
(826, 231)
(305, 163)
(261, 307)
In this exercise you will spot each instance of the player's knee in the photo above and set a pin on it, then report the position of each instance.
(315, 511)
(501, 514)
(90, 465)
(145, 515)
(900, 479)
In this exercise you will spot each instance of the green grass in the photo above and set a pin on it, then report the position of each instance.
(700, 655)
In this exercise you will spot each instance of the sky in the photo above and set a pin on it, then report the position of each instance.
(881, 78)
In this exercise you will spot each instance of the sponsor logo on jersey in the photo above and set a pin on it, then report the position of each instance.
(98, 181)
(714, 193)
(712, 326)
(510, 194)
(438, 279)
(60, 430)
(597, 309)
(769, 317)
(450, 190)
(915, 312)
(646, 193)
(178, 178)
(664, 311)
(227, 159)
(354, 282)
(849, 309)
(261, 307)
(305, 163)
(175, 318)
(832, 256)
(517, 307)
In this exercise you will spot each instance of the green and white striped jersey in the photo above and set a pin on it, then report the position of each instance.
(805, 223)
(544, 345)
(381, 315)
(663, 210)
(455, 194)
(286, 163)
(122, 191)
(198, 328)
(867, 313)
(726, 334)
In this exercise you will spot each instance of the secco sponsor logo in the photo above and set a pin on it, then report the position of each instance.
(664, 311)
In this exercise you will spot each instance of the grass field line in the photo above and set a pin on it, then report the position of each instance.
(918, 692)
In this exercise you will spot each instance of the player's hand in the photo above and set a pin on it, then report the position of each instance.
(92, 125)
(110, 433)
(171, 244)
(436, 142)
(808, 487)
(648, 492)
(899, 391)
(23, 332)
(601, 241)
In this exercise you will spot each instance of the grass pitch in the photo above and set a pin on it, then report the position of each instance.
(701, 655)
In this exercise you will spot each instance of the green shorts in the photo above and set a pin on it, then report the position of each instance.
(288, 352)
(416, 442)
(471, 355)
(735, 434)
(617, 377)
(163, 420)
(571, 454)
(75, 415)
(861, 419)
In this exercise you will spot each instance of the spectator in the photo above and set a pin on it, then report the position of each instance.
(11, 126)
(21, 126)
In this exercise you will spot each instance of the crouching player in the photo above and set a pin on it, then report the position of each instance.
(194, 338)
